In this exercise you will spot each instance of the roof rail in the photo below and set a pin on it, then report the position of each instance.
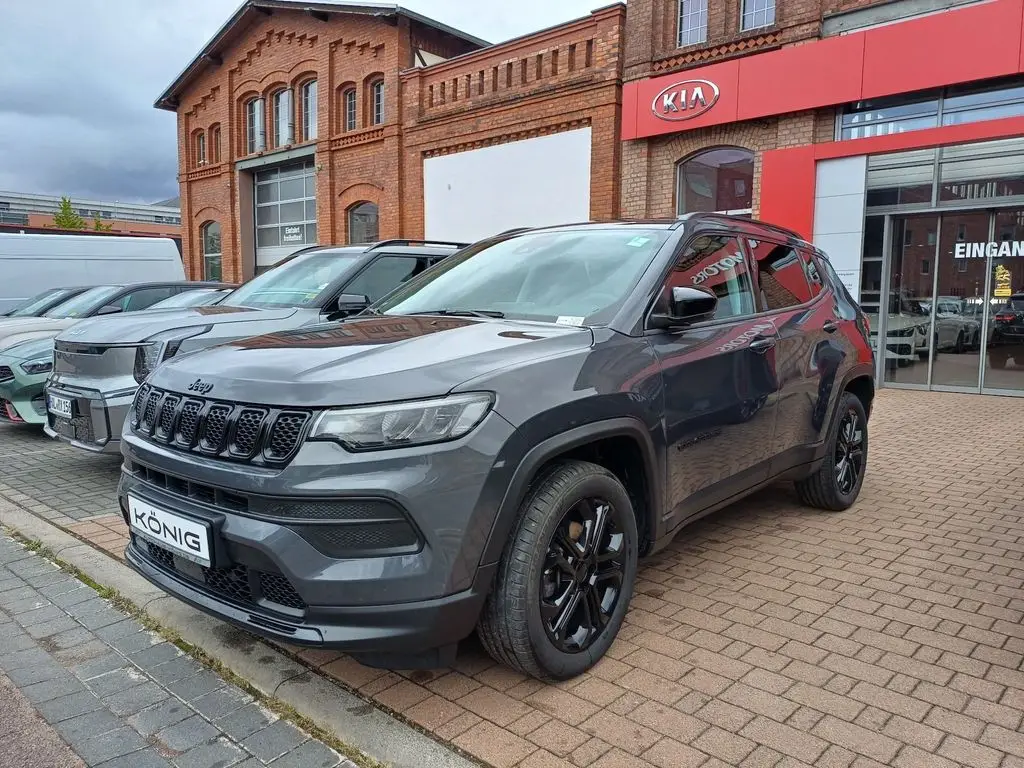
(513, 231)
(402, 242)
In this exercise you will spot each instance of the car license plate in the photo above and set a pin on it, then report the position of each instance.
(59, 406)
(182, 536)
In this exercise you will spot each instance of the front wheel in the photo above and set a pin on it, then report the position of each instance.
(566, 575)
(837, 483)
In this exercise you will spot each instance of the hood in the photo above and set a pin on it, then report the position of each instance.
(30, 350)
(365, 360)
(20, 329)
(139, 326)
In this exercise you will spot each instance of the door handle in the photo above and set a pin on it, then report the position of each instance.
(762, 344)
(830, 326)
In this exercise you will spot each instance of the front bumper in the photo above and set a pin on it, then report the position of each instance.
(275, 535)
(21, 398)
(96, 421)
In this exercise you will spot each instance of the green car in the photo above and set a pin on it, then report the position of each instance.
(24, 369)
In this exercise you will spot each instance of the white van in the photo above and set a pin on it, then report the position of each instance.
(30, 264)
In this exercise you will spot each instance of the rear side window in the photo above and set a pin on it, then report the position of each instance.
(715, 263)
(782, 275)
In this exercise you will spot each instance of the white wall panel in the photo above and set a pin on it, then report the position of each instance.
(529, 183)
(839, 206)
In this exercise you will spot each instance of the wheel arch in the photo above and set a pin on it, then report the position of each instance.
(580, 443)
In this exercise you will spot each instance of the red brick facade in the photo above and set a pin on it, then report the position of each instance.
(553, 81)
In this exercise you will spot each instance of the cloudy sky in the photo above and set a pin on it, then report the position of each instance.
(80, 77)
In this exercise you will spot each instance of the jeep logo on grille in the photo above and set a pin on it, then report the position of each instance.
(200, 386)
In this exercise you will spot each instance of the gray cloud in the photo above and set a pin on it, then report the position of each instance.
(80, 77)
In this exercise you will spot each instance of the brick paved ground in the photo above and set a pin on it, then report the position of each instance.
(116, 694)
(772, 635)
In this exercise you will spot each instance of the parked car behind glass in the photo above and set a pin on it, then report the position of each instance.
(495, 444)
(100, 364)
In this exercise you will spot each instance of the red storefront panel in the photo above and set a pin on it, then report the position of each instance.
(971, 43)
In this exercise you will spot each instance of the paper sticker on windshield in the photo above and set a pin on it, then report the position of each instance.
(638, 242)
(570, 320)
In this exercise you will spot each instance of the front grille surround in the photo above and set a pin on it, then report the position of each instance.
(238, 432)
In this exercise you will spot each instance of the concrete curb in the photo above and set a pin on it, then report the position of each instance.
(353, 720)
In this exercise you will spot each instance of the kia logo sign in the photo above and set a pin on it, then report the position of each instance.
(685, 100)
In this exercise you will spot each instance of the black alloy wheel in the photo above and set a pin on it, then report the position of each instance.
(581, 583)
(849, 453)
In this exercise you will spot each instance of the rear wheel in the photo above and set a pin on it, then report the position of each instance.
(566, 576)
(837, 483)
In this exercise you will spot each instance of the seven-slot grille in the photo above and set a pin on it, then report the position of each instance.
(241, 432)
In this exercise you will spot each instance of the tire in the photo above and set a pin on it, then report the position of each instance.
(512, 628)
(826, 488)
(959, 346)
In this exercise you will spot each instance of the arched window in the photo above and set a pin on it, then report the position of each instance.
(363, 223)
(210, 233)
(377, 102)
(200, 148)
(348, 105)
(284, 118)
(255, 126)
(215, 144)
(309, 110)
(719, 180)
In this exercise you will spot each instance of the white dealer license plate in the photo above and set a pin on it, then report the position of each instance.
(183, 537)
(59, 406)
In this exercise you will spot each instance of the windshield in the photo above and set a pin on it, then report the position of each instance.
(32, 307)
(85, 303)
(298, 282)
(198, 298)
(573, 277)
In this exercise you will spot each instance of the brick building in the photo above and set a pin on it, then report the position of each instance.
(889, 132)
(304, 123)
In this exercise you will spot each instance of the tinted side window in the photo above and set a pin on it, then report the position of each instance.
(146, 297)
(384, 275)
(781, 275)
(715, 263)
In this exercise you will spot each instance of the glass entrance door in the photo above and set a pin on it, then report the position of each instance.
(1004, 368)
(909, 284)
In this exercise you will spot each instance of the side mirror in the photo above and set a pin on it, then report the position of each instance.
(110, 309)
(685, 306)
(350, 303)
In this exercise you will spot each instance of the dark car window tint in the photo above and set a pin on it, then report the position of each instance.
(146, 297)
(781, 275)
(716, 264)
(384, 275)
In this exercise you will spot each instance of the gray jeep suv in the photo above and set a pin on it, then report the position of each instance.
(99, 364)
(494, 445)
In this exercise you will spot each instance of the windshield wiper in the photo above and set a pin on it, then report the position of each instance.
(463, 313)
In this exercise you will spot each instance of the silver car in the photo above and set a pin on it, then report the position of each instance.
(99, 364)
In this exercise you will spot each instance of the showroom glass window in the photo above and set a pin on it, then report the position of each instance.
(309, 110)
(286, 206)
(720, 180)
(952, 106)
(255, 126)
(758, 13)
(212, 267)
(284, 123)
(363, 223)
(693, 22)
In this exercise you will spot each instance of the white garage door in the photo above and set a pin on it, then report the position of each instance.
(530, 183)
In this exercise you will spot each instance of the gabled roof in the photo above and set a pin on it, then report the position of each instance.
(318, 8)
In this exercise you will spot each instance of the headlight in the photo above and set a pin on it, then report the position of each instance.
(35, 367)
(397, 425)
(161, 347)
(904, 332)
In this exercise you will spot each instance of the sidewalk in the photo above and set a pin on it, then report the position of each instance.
(83, 684)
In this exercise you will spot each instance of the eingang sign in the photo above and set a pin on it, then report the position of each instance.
(1002, 250)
